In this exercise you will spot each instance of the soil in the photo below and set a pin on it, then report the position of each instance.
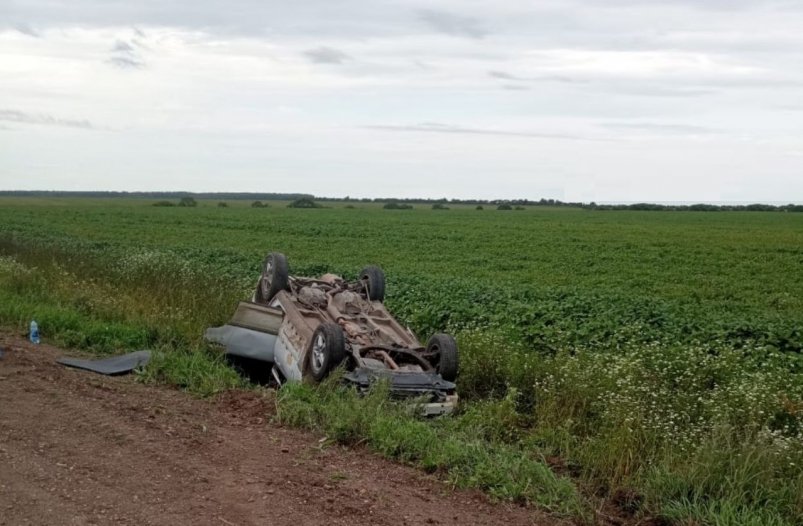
(80, 448)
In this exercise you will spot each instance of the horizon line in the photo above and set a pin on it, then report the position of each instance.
(285, 195)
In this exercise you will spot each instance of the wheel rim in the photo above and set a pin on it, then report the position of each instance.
(318, 353)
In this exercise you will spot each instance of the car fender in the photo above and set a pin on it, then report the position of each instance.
(288, 358)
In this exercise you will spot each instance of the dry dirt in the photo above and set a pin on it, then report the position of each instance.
(81, 448)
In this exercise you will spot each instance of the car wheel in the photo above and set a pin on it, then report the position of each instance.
(275, 277)
(327, 350)
(443, 349)
(374, 280)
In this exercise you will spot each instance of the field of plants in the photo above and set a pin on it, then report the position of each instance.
(643, 364)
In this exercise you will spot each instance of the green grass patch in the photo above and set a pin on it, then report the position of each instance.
(201, 371)
(452, 447)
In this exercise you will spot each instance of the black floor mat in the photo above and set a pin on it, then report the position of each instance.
(111, 366)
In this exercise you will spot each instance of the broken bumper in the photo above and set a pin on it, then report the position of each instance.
(438, 396)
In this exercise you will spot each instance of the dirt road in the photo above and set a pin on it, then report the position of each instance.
(80, 448)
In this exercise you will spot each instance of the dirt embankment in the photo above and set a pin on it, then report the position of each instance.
(80, 448)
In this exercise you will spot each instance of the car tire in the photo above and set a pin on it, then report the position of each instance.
(374, 280)
(275, 277)
(327, 350)
(443, 348)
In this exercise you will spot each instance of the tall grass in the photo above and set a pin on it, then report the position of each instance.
(102, 299)
(458, 448)
(200, 370)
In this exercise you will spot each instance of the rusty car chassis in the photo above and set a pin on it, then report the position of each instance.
(307, 327)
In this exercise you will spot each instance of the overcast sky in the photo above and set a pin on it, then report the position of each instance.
(603, 100)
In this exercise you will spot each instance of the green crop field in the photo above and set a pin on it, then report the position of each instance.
(649, 362)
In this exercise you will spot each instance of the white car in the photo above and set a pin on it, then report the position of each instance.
(306, 327)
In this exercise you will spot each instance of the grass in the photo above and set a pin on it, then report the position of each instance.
(200, 371)
(656, 355)
(453, 447)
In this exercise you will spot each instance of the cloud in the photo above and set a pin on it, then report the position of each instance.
(436, 127)
(122, 47)
(125, 54)
(644, 64)
(43, 118)
(126, 62)
(658, 91)
(326, 55)
(26, 29)
(710, 5)
(451, 24)
(660, 128)
(502, 75)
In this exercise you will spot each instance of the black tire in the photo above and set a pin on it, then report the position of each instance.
(275, 277)
(374, 280)
(444, 351)
(327, 350)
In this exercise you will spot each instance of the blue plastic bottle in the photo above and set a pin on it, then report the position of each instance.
(34, 332)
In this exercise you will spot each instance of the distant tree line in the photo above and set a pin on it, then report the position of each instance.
(443, 201)
(756, 207)
(516, 204)
(184, 201)
(160, 195)
(394, 205)
(304, 201)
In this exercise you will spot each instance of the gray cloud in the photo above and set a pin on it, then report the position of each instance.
(236, 17)
(436, 127)
(26, 29)
(617, 24)
(560, 78)
(712, 5)
(697, 86)
(326, 55)
(126, 62)
(122, 47)
(660, 128)
(659, 91)
(43, 118)
(502, 75)
(125, 54)
(451, 24)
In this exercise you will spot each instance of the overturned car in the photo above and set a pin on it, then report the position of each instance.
(306, 327)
